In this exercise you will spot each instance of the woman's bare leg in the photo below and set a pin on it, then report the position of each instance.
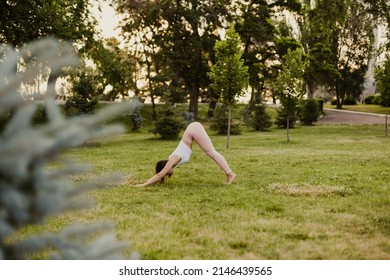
(195, 131)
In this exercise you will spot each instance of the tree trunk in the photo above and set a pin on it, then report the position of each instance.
(229, 125)
(15, 72)
(288, 128)
(51, 83)
(339, 98)
(197, 64)
(194, 94)
(150, 84)
(213, 103)
(154, 112)
(52, 113)
(386, 123)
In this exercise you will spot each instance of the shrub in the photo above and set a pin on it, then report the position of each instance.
(377, 100)
(169, 124)
(369, 99)
(40, 115)
(189, 117)
(281, 119)
(310, 111)
(219, 123)
(135, 115)
(84, 99)
(349, 100)
(257, 117)
(4, 118)
(321, 105)
(38, 118)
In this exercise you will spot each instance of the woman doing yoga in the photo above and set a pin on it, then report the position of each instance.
(194, 132)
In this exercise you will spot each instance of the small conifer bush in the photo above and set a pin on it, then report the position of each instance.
(169, 124)
(310, 111)
(257, 118)
(219, 123)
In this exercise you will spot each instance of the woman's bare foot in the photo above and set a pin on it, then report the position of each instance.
(230, 177)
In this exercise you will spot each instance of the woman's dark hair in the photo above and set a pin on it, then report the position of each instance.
(160, 166)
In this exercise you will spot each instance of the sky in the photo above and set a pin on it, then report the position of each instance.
(108, 20)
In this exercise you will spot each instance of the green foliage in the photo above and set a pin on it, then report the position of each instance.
(4, 118)
(229, 76)
(175, 47)
(40, 116)
(257, 29)
(115, 68)
(369, 99)
(84, 99)
(289, 82)
(310, 111)
(382, 77)
(289, 86)
(24, 21)
(285, 119)
(321, 104)
(135, 115)
(380, 11)
(257, 117)
(169, 124)
(172, 94)
(378, 100)
(350, 100)
(219, 122)
(338, 37)
(136, 120)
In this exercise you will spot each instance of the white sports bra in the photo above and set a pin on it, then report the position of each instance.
(183, 151)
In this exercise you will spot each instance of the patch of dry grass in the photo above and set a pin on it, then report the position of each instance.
(308, 189)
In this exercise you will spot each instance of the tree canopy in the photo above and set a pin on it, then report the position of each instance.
(25, 21)
(170, 43)
(382, 76)
(185, 32)
(229, 75)
(66, 20)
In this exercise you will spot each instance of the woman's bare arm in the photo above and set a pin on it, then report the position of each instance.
(172, 162)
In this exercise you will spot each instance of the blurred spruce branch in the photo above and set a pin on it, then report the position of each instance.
(30, 191)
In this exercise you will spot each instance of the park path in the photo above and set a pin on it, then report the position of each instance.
(334, 116)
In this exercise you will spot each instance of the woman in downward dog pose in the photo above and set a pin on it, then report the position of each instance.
(194, 132)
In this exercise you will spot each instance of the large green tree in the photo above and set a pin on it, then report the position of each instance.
(382, 78)
(264, 42)
(338, 37)
(184, 33)
(115, 67)
(355, 52)
(27, 20)
(380, 9)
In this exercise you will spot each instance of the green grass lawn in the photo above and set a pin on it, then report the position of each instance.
(324, 195)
